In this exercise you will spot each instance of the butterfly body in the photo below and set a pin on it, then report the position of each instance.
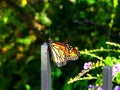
(62, 52)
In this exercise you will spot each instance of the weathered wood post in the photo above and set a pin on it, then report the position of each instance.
(107, 78)
(45, 68)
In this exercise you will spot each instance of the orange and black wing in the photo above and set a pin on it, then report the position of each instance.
(62, 52)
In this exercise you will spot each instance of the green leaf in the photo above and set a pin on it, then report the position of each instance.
(58, 72)
(118, 78)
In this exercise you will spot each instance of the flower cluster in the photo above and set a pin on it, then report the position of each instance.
(115, 69)
(117, 88)
(91, 87)
(87, 65)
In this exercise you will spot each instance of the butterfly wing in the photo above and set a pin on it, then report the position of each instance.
(62, 52)
(73, 54)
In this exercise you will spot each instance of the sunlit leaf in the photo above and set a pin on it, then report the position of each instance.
(28, 87)
(23, 3)
(5, 19)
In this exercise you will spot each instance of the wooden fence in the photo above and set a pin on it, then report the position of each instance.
(46, 71)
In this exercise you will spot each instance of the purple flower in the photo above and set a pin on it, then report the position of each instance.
(87, 65)
(91, 87)
(115, 69)
(99, 88)
(117, 88)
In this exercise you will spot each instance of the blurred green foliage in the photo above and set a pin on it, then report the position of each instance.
(26, 24)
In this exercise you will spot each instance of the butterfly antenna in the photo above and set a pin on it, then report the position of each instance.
(50, 40)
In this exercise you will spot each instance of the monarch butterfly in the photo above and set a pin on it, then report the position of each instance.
(62, 52)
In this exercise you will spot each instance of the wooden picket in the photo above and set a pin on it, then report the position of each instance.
(107, 78)
(45, 68)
